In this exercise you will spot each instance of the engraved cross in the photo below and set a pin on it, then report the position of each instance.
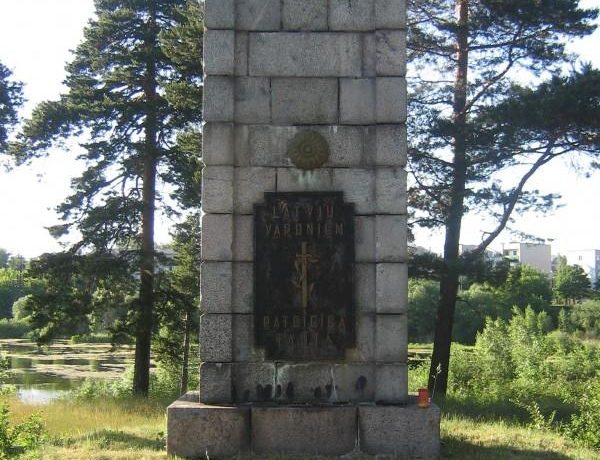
(302, 261)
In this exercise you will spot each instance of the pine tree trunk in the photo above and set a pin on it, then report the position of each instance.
(440, 360)
(143, 339)
(186, 354)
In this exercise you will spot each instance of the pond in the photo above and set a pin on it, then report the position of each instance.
(44, 374)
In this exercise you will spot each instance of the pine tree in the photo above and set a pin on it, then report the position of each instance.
(467, 57)
(119, 98)
(11, 98)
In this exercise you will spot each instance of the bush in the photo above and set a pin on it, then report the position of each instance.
(18, 439)
(584, 426)
(14, 329)
(91, 338)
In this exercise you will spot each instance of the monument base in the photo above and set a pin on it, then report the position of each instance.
(196, 430)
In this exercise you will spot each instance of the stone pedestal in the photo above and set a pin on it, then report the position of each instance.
(402, 431)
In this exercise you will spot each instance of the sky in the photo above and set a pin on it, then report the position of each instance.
(36, 37)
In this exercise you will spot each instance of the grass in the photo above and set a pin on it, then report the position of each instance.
(100, 429)
(135, 429)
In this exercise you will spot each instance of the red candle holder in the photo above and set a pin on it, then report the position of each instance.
(423, 399)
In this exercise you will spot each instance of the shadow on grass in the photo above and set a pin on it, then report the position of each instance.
(459, 449)
(114, 439)
(505, 409)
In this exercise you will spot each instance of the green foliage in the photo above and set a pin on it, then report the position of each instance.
(178, 306)
(14, 284)
(423, 298)
(91, 338)
(76, 286)
(584, 425)
(583, 318)
(11, 97)
(14, 329)
(571, 283)
(526, 286)
(20, 438)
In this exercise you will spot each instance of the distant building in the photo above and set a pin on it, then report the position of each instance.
(588, 259)
(534, 254)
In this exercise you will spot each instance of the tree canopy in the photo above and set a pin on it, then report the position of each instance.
(131, 89)
(11, 98)
(471, 121)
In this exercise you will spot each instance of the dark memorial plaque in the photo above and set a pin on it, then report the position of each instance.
(304, 275)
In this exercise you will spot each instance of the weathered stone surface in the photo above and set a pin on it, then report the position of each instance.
(219, 52)
(304, 100)
(304, 430)
(390, 238)
(357, 101)
(296, 180)
(243, 242)
(304, 383)
(305, 55)
(325, 382)
(390, 149)
(242, 289)
(358, 186)
(217, 237)
(406, 431)
(391, 385)
(252, 100)
(364, 238)
(369, 59)
(216, 332)
(390, 191)
(364, 287)
(365, 340)
(250, 187)
(217, 189)
(351, 15)
(244, 349)
(219, 14)
(217, 102)
(391, 99)
(196, 430)
(215, 383)
(390, 14)
(391, 282)
(391, 52)
(217, 144)
(391, 338)
(267, 145)
(253, 382)
(241, 54)
(304, 14)
(258, 15)
(215, 286)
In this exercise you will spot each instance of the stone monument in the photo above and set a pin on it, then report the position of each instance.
(303, 339)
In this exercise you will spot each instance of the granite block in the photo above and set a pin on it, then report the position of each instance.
(392, 293)
(301, 54)
(217, 144)
(219, 52)
(304, 100)
(355, 15)
(217, 102)
(216, 332)
(216, 287)
(357, 101)
(258, 15)
(196, 430)
(252, 100)
(304, 15)
(217, 189)
(217, 237)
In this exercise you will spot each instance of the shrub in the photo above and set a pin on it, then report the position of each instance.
(14, 329)
(584, 426)
(18, 439)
